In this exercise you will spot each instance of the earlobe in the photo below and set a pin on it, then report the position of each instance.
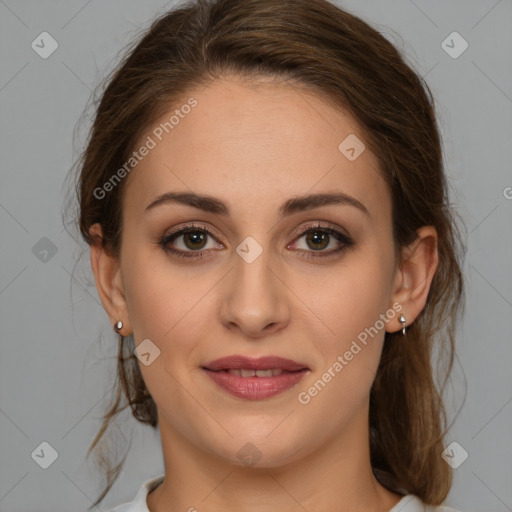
(416, 272)
(107, 275)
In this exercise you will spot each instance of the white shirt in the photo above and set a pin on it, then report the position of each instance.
(408, 503)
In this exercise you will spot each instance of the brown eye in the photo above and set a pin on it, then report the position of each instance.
(189, 242)
(318, 240)
(321, 241)
(194, 239)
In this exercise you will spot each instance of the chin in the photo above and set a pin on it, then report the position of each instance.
(257, 449)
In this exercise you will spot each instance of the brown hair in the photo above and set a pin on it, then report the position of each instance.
(343, 59)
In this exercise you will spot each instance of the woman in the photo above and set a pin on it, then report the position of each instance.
(271, 238)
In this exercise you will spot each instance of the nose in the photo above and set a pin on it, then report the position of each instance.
(254, 299)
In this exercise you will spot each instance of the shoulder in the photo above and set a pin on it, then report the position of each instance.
(441, 508)
(411, 503)
(139, 504)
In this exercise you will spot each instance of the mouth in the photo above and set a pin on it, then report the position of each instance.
(246, 372)
(255, 379)
(238, 362)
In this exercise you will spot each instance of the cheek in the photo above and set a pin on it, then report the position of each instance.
(169, 305)
(356, 298)
(157, 294)
(349, 357)
(166, 311)
(351, 348)
(149, 299)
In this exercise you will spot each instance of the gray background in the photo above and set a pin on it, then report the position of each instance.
(58, 350)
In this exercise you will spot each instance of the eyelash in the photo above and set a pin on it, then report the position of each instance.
(346, 241)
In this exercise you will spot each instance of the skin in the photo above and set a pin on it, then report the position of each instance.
(254, 145)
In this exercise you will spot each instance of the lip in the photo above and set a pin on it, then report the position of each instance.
(260, 363)
(255, 388)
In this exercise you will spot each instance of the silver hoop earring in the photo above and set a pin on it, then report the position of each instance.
(118, 326)
(402, 321)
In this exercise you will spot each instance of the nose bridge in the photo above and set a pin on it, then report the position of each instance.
(254, 296)
(254, 277)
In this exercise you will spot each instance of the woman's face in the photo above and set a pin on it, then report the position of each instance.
(248, 283)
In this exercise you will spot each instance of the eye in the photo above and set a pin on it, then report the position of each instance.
(317, 238)
(192, 240)
(188, 242)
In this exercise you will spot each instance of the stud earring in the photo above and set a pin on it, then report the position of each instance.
(118, 326)
(402, 321)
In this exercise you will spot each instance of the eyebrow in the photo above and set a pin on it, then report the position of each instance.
(213, 205)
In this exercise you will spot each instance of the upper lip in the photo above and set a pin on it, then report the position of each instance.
(259, 363)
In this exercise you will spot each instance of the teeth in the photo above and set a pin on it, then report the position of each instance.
(264, 373)
(271, 372)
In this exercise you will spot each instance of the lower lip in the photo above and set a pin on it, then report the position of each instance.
(255, 388)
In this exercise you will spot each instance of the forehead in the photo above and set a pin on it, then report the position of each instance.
(253, 145)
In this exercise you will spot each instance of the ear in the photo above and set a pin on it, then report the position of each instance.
(414, 277)
(107, 274)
